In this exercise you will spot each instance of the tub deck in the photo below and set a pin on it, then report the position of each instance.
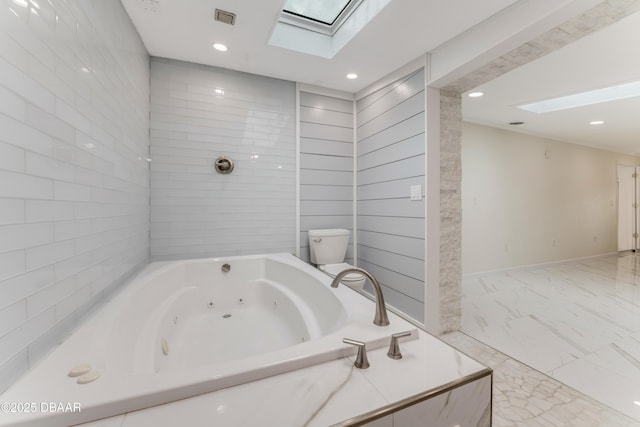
(130, 388)
(336, 394)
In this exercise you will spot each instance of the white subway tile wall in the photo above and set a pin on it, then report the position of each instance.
(74, 180)
(326, 167)
(391, 159)
(199, 113)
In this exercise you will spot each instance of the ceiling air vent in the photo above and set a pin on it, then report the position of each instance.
(225, 17)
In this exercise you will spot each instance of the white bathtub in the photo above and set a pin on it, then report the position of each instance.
(184, 328)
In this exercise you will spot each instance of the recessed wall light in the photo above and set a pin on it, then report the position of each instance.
(597, 122)
(352, 76)
(475, 94)
(220, 47)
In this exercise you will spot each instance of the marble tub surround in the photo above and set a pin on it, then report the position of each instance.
(525, 397)
(333, 393)
(578, 322)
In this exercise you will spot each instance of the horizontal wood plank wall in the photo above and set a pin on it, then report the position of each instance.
(326, 166)
(391, 158)
(199, 113)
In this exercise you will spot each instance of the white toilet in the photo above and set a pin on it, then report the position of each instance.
(328, 249)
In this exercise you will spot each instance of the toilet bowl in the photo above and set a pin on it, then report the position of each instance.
(328, 249)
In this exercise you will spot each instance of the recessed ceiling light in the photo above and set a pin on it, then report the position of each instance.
(220, 47)
(637, 402)
(352, 76)
(475, 94)
(21, 3)
(597, 122)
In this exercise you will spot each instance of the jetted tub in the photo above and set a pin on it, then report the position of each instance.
(184, 328)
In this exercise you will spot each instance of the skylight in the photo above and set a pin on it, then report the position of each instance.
(322, 27)
(613, 93)
(325, 12)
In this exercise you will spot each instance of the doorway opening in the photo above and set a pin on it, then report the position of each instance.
(628, 199)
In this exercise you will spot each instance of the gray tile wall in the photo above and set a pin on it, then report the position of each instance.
(450, 211)
(199, 113)
(391, 158)
(326, 166)
(74, 182)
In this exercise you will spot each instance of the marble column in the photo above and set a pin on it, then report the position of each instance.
(450, 210)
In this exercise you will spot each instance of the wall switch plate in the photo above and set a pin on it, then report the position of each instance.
(416, 192)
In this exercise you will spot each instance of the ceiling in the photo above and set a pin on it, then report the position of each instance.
(403, 31)
(605, 58)
(170, 29)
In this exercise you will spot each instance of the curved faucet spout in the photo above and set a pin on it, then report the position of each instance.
(381, 318)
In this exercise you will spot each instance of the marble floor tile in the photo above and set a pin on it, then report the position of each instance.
(611, 375)
(578, 322)
(523, 396)
(532, 342)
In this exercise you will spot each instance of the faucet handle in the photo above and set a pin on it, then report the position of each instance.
(361, 359)
(394, 348)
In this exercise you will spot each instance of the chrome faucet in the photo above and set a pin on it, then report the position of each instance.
(381, 318)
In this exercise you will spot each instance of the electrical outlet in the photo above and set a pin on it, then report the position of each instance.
(415, 192)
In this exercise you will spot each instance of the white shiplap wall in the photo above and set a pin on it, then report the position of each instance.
(326, 166)
(195, 211)
(391, 158)
(74, 182)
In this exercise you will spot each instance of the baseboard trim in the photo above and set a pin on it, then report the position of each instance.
(543, 264)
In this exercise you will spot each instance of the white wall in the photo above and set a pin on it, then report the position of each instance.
(195, 211)
(521, 208)
(74, 192)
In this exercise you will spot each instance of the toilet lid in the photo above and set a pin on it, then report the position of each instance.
(333, 269)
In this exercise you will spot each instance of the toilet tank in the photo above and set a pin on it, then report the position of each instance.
(328, 246)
